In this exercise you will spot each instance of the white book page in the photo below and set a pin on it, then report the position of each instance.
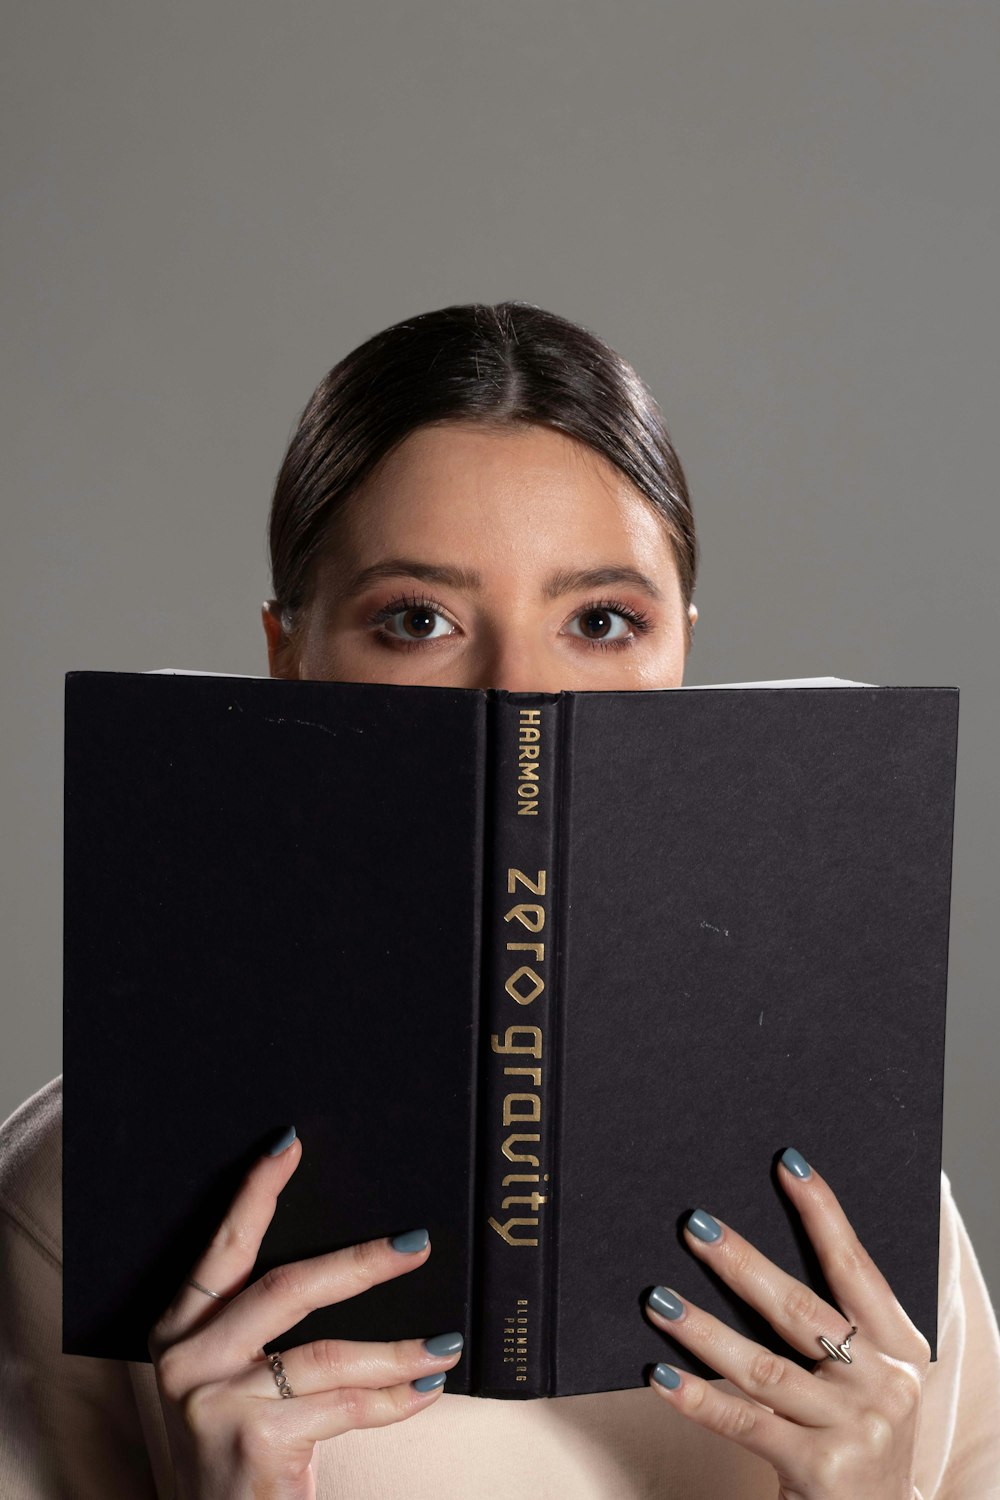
(191, 672)
(785, 682)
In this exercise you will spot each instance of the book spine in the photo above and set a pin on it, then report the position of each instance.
(516, 1086)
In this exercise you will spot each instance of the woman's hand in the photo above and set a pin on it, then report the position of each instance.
(233, 1432)
(841, 1431)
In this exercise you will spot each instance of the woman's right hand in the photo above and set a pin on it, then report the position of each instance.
(231, 1432)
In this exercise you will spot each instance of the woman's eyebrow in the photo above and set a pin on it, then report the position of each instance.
(397, 567)
(568, 580)
(563, 581)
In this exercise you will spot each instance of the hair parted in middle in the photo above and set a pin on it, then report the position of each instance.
(506, 364)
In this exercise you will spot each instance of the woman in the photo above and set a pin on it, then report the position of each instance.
(485, 497)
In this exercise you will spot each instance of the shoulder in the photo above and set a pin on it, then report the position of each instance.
(31, 1169)
(958, 1262)
(961, 1283)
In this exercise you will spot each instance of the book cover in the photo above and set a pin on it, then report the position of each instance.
(722, 929)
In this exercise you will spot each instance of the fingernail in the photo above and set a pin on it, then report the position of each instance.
(429, 1382)
(444, 1343)
(412, 1240)
(282, 1143)
(796, 1163)
(703, 1226)
(666, 1375)
(665, 1303)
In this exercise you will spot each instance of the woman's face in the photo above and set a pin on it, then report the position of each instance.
(485, 557)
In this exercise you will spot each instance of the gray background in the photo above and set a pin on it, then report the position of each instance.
(783, 213)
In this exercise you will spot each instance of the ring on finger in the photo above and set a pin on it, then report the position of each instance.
(278, 1371)
(842, 1351)
(199, 1288)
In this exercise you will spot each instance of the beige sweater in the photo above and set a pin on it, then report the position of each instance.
(73, 1428)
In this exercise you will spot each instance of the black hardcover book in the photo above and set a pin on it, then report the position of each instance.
(538, 972)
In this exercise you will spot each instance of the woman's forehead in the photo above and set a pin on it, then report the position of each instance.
(460, 451)
(483, 491)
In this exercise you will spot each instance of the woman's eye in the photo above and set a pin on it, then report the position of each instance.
(417, 623)
(600, 625)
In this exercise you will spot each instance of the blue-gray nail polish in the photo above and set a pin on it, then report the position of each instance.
(412, 1240)
(429, 1382)
(282, 1143)
(703, 1226)
(665, 1303)
(796, 1163)
(444, 1343)
(666, 1375)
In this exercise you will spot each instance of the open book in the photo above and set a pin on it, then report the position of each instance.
(538, 972)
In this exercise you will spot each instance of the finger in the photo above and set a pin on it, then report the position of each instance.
(285, 1295)
(226, 1264)
(753, 1427)
(779, 1383)
(327, 1414)
(792, 1309)
(851, 1274)
(327, 1364)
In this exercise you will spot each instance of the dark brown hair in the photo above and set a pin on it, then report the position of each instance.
(503, 365)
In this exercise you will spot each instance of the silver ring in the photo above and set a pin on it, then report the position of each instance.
(840, 1351)
(199, 1288)
(280, 1378)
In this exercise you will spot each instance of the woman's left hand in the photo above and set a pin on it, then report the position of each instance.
(838, 1430)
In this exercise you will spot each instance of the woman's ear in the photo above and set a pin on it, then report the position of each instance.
(281, 657)
(692, 617)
